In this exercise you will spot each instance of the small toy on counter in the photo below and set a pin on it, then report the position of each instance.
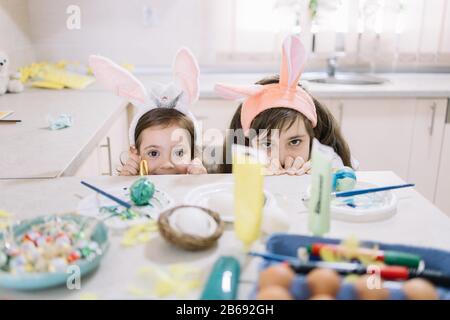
(191, 227)
(9, 83)
(141, 191)
(60, 122)
(344, 179)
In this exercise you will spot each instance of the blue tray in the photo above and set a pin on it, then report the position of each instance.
(43, 280)
(286, 244)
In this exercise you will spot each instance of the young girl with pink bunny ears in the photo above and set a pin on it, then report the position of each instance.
(280, 117)
(162, 134)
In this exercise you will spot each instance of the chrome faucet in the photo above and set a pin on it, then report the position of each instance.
(331, 66)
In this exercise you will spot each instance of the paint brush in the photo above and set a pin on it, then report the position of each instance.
(10, 121)
(116, 200)
(369, 190)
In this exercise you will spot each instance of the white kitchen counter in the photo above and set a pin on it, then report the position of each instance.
(31, 150)
(418, 85)
(415, 85)
(417, 222)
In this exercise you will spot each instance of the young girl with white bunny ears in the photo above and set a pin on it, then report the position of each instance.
(280, 105)
(162, 134)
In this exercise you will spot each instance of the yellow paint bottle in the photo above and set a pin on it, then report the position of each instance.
(248, 166)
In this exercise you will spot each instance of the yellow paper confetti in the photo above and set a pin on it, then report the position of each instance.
(54, 76)
(137, 292)
(174, 280)
(139, 234)
(88, 296)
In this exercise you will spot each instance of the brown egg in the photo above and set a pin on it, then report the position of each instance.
(420, 289)
(366, 290)
(277, 275)
(322, 297)
(323, 282)
(274, 293)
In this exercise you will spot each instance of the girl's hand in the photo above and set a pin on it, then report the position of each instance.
(297, 166)
(274, 168)
(196, 167)
(131, 167)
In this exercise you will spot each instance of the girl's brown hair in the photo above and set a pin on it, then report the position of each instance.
(327, 130)
(165, 117)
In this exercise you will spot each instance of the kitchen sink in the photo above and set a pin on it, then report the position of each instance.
(351, 79)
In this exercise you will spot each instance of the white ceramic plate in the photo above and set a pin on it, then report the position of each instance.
(220, 198)
(92, 204)
(368, 207)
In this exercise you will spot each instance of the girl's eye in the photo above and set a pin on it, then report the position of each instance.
(153, 154)
(179, 153)
(266, 144)
(295, 142)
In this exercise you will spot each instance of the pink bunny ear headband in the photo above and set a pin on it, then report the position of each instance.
(286, 93)
(179, 95)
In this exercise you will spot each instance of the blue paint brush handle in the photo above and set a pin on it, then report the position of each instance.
(370, 190)
(272, 256)
(106, 194)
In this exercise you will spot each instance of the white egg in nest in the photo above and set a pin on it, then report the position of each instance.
(193, 221)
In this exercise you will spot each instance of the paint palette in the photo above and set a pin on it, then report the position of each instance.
(220, 198)
(117, 217)
(363, 208)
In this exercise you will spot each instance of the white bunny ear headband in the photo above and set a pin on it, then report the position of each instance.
(179, 95)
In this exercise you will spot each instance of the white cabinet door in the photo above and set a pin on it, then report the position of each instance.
(105, 158)
(442, 198)
(214, 113)
(426, 145)
(378, 132)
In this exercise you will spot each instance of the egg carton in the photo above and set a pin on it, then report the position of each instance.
(288, 245)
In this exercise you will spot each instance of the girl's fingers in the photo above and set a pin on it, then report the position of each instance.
(275, 166)
(134, 158)
(196, 167)
(196, 170)
(288, 163)
(298, 163)
(305, 169)
(131, 170)
(296, 166)
(124, 172)
(133, 164)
